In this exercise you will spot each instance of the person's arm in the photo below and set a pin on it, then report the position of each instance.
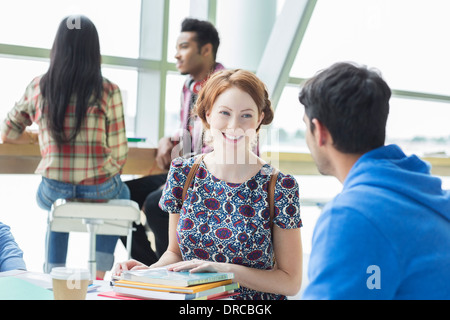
(172, 254)
(164, 153)
(116, 132)
(284, 279)
(14, 125)
(11, 256)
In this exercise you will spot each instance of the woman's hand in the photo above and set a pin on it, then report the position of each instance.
(128, 265)
(197, 265)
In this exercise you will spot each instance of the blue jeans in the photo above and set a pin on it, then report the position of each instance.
(50, 190)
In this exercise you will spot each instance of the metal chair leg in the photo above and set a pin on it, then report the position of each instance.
(92, 226)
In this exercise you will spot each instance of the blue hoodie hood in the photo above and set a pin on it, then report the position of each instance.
(408, 176)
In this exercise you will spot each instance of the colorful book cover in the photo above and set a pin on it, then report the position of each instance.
(160, 295)
(166, 288)
(172, 278)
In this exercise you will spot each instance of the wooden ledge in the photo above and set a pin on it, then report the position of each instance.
(24, 159)
(303, 163)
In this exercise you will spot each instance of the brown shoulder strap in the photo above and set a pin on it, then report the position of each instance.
(190, 176)
(271, 192)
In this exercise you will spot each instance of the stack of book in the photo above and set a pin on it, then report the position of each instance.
(159, 283)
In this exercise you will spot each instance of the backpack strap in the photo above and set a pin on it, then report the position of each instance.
(190, 176)
(271, 194)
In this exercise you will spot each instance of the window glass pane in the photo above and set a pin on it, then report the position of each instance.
(405, 39)
(179, 9)
(15, 76)
(126, 79)
(35, 22)
(288, 129)
(174, 84)
(419, 127)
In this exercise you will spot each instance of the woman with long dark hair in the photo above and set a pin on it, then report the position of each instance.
(82, 134)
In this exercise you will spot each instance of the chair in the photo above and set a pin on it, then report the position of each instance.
(97, 217)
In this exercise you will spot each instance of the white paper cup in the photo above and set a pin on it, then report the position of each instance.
(70, 284)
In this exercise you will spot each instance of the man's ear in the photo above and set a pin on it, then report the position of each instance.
(321, 133)
(206, 49)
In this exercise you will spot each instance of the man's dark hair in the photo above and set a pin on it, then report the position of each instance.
(352, 102)
(206, 33)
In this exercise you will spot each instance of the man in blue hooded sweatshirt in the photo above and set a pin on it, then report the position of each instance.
(387, 234)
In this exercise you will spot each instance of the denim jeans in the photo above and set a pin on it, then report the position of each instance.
(50, 190)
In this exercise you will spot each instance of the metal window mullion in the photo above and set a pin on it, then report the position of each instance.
(282, 47)
(151, 81)
(164, 69)
(42, 54)
(405, 94)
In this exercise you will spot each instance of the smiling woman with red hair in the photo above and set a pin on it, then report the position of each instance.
(223, 224)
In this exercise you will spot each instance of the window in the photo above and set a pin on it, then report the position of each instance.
(126, 79)
(15, 76)
(175, 82)
(117, 22)
(179, 10)
(403, 39)
(419, 126)
(35, 23)
(288, 122)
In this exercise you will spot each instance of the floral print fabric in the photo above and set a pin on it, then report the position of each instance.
(226, 222)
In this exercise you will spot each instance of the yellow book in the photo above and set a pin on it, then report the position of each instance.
(223, 290)
(166, 288)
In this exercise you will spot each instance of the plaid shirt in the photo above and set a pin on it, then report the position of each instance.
(99, 151)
